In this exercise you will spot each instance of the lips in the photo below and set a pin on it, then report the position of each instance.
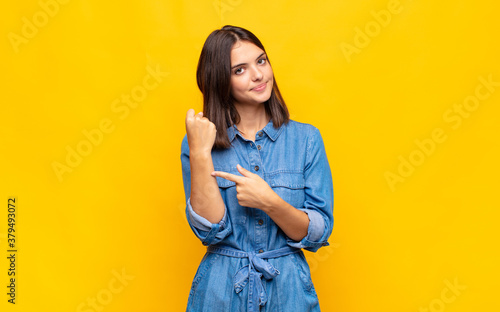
(260, 87)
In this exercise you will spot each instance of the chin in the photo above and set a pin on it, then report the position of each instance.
(263, 98)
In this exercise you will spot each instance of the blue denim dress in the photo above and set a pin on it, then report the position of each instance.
(250, 263)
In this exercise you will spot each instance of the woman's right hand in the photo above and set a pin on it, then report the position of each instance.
(200, 133)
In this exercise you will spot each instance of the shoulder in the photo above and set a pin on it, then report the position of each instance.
(309, 134)
(302, 128)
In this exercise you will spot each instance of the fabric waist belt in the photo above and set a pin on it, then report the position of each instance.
(252, 273)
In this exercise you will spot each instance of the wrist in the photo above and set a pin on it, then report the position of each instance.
(194, 154)
(273, 204)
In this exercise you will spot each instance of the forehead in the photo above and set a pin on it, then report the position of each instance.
(244, 52)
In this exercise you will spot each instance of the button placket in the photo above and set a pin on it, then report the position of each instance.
(260, 229)
(255, 163)
(254, 155)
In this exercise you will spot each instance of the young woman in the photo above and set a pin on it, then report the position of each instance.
(258, 185)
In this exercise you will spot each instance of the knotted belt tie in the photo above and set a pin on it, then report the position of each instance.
(252, 273)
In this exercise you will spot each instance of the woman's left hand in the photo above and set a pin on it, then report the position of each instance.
(252, 191)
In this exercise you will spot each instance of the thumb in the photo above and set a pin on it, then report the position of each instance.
(190, 113)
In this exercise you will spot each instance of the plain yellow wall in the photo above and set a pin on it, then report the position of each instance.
(405, 94)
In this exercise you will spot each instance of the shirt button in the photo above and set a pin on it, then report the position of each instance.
(261, 251)
(261, 221)
(256, 168)
(259, 147)
(260, 133)
(251, 144)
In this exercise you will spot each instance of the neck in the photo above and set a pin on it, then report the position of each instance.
(252, 118)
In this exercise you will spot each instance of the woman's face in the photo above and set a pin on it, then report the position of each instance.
(251, 74)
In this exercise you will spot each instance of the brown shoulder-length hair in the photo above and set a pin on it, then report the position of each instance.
(213, 76)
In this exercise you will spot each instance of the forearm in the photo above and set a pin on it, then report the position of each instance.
(291, 220)
(206, 199)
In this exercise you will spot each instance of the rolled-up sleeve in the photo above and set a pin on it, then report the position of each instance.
(318, 202)
(209, 233)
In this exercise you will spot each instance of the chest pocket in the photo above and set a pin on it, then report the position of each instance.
(224, 184)
(290, 186)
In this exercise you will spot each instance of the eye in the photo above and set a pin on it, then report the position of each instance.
(237, 71)
(263, 59)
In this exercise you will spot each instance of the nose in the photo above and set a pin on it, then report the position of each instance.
(257, 74)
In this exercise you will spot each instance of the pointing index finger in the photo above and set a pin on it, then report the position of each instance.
(228, 176)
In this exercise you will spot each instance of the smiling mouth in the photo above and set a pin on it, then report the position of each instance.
(260, 87)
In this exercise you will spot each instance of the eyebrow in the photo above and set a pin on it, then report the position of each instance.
(246, 63)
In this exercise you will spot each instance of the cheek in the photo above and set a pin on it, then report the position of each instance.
(269, 72)
(237, 87)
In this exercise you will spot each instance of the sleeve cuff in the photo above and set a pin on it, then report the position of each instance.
(315, 232)
(199, 222)
(316, 225)
(207, 232)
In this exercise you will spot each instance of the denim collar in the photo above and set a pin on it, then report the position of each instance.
(269, 129)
